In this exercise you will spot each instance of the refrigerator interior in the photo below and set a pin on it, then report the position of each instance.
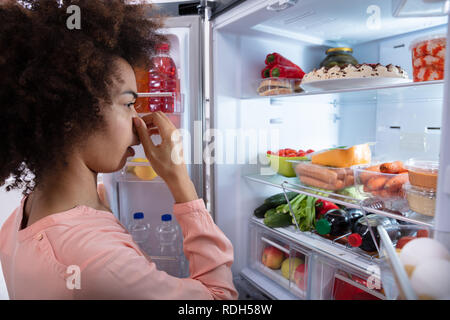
(403, 122)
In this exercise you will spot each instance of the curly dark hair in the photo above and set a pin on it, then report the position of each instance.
(55, 81)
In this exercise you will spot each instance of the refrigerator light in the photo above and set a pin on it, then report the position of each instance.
(281, 5)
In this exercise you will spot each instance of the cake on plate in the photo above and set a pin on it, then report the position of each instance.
(350, 71)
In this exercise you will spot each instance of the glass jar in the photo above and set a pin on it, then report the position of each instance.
(338, 56)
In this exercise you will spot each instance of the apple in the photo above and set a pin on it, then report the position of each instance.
(402, 241)
(285, 267)
(272, 257)
(301, 276)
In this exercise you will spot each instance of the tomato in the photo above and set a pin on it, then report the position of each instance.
(300, 151)
(301, 154)
(310, 151)
(291, 154)
(288, 150)
(269, 152)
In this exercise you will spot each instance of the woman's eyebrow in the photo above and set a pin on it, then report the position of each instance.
(135, 95)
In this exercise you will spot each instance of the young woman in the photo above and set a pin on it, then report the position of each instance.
(67, 112)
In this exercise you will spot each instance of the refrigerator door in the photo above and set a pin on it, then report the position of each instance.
(126, 192)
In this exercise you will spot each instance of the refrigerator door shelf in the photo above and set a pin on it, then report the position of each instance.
(178, 99)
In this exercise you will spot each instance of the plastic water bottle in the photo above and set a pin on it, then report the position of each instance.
(169, 254)
(139, 230)
(163, 77)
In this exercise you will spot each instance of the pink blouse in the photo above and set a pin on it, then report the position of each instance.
(85, 253)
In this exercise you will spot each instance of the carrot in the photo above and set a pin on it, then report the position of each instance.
(320, 184)
(365, 176)
(392, 167)
(395, 183)
(349, 180)
(376, 183)
(322, 174)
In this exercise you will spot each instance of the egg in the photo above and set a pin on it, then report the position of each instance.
(431, 279)
(420, 250)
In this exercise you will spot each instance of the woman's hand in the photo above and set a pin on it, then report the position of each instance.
(166, 158)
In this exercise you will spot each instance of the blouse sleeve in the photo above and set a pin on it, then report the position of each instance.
(117, 269)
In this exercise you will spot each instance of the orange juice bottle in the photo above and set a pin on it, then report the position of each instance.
(141, 105)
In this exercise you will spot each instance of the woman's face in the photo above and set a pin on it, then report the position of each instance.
(108, 150)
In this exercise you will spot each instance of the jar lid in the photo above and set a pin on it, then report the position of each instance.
(355, 240)
(339, 49)
(425, 166)
(323, 226)
(423, 192)
(163, 46)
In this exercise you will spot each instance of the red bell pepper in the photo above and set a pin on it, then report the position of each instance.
(276, 58)
(265, 73)
(323, 206)
(279, 71)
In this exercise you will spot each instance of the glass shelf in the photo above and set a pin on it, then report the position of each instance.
(293, 184)
(402, 92)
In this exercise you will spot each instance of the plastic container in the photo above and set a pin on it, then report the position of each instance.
(280, 260)
(139, 230)
(421, 200)
(278, 86)
(322, 177)
(428, 58)
(169, 253)
(338, 57)
(333, 280)
(423, 174)
(393, 268)
(283, 165)
(385, 186)
(163, 77)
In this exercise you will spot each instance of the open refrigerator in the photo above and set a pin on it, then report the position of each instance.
(219, 48)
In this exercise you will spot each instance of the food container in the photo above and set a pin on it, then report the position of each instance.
(423, 174)
(338, 57)
(278, 86)
(421, 200)
(282, 165)
(377, 184)
(428, 58)
(323, 177)
(393, 265)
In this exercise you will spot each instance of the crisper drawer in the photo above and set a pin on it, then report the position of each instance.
(279, 259)
(331, 280)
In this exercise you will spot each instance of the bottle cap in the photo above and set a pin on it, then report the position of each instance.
(138, 215)
(354, 240)
(163, 47)
(166, 217)
(323, 226)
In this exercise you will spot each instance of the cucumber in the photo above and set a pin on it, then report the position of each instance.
(261, 210)
(279, 198)
(278, 220)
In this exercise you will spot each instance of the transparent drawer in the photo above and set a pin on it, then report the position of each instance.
(280, 260)
(331, 280)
